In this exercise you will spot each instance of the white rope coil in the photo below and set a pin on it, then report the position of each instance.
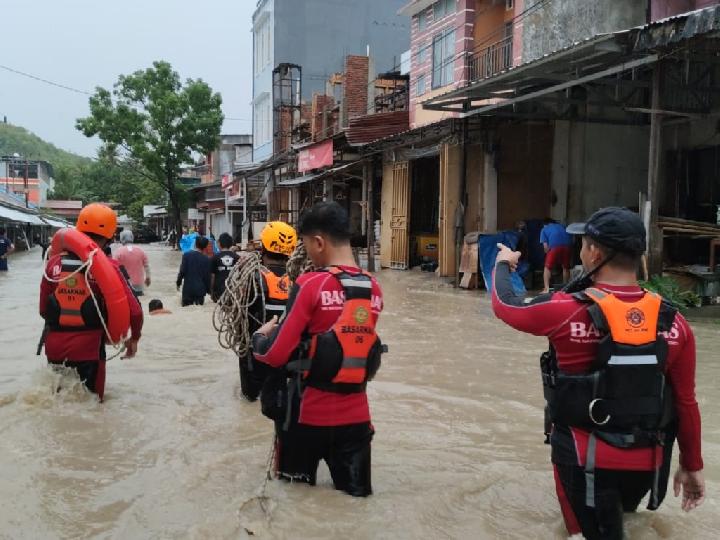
(232, 317)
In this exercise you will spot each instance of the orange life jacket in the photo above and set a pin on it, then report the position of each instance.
(624, 399)
(276, 289)
(71, 306)
(347, 356)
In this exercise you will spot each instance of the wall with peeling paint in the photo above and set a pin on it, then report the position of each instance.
(560, 23)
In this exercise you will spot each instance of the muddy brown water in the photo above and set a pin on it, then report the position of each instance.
(175, 453)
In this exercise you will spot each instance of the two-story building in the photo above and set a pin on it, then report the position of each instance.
(29, 178)
(549, 112)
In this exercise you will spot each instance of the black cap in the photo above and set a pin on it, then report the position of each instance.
(616, 228)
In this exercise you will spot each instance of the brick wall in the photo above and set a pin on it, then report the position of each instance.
(355, 87)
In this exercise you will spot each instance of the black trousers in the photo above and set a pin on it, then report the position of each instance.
(252, 376)
(616, 492)
(193, 301)
(300, 448)
(345, 449)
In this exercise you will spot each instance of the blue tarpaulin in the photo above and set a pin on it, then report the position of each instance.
(187, 242)
(488, 250)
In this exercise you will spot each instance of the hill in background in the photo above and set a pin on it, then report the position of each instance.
(15, 139)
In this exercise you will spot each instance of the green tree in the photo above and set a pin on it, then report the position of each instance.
(70, 184)
(157, 123)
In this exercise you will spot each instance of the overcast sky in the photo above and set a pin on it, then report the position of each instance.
(88, 43)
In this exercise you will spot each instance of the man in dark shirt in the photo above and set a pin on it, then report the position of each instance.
(6, 248)
(194, 274)
(220, 266)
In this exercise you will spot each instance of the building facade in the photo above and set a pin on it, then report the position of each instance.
(548, 114)
(317, 35)
(30, 179)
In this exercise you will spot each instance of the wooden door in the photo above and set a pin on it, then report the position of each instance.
(399, 218)
(525, 173)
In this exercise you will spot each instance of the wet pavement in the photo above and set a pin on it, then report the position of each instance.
(175, 453)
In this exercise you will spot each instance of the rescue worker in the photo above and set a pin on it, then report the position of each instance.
(82, 347)
(619, 380)
(330, 319)
(278, 240)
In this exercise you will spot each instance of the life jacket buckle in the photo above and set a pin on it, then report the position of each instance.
(592, 416)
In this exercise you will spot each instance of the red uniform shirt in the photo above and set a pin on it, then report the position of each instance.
(314, 309)
(567, 324)
(83, 344)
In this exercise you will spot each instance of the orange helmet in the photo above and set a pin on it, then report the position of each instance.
(98, 219)
(279, 237)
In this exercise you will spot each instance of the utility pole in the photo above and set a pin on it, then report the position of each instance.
(369, 175)
(25, 182)
(655, 238)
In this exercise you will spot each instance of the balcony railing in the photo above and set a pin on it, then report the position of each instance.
(491, 60)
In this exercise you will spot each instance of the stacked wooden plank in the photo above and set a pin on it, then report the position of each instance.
(686, 226)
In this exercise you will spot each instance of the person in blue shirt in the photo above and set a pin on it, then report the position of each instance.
(6, 248)
(556, 242)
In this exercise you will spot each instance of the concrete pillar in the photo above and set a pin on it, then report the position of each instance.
(561, 171)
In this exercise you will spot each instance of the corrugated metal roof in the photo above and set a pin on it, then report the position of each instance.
(11, 214)
(63, 205)
(677, 28)
(372, 127)
(320, 175)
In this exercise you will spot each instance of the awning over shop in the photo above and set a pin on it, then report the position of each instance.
(297, 181)
(578, 64)
(291, 182)
(11, 214)
(581, 63)
(55, 222)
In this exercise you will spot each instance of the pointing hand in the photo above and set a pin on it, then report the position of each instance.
(507, 255)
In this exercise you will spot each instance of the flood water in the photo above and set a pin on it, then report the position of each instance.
(175, 453)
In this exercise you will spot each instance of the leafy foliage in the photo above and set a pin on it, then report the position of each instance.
(109, 181)
(15, 139)
(156, 122)
(670, 290)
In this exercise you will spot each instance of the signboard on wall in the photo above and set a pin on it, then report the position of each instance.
(316, 156)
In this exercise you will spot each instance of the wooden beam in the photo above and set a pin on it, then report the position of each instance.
(662, 112)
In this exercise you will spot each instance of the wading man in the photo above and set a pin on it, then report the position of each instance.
(194, 274)
(6, 248)
(619, 380)
(331, 317)
(135, 262)
(75, 335)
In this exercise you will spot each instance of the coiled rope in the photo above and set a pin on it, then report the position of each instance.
(298, 263)
(232, 316)
(243, 288)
